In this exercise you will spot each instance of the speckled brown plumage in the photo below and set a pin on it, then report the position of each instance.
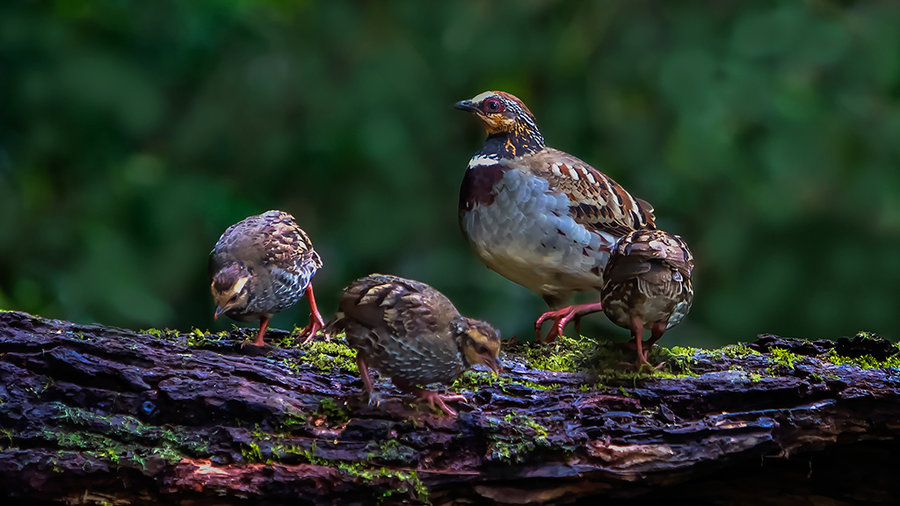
(539, 216)
(413, 334)
(261, 266)
(648, 285)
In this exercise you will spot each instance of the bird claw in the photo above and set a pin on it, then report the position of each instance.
(253, 343)
(439, 401)
(640, 365)
(373, 399)
(643, 362)
(310, 331)
(561, 318)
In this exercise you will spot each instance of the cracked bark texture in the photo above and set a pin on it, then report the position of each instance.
(95, 414)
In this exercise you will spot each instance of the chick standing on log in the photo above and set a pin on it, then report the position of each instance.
(412, 333)
(261, 266)
(648, 285)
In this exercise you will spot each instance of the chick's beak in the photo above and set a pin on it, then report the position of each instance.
(494, 364)
(218, 312)
(465, 105)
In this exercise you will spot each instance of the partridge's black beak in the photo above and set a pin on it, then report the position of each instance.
(465, 105)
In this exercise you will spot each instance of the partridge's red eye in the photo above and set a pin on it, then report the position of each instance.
(493, 105)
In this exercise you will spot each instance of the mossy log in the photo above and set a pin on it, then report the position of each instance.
(94, 414)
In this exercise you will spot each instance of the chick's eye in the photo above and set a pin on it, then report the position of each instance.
(493, 105)
(233, 298)
(482, 349)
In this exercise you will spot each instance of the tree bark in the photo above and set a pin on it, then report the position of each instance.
(95, 414)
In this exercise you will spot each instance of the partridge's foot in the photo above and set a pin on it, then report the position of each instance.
(561, 318)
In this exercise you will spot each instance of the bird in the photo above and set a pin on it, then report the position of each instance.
(262, 265)
(647, 285)
(412, 333)
(539, 216)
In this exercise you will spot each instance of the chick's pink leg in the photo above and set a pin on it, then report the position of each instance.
(263, 325)
(656, 332)
(637, 331)
(364, 374)
(440, 401)
(315, 319)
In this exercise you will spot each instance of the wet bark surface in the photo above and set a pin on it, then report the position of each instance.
(93, 414)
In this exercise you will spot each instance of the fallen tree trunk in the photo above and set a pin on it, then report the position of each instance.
(94, 414)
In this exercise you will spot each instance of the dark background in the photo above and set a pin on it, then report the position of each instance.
(132, 134)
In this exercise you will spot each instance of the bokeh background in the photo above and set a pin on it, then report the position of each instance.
(133, 133)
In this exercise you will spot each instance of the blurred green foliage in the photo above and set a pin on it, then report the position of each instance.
(133, 133)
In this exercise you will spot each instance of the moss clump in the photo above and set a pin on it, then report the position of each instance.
(159, 334)
(390, 451)
(679, 359)
(292, 420)
(514, 437)
(537, 386)
(409, 481)
(734, 351)
(783, 358)
(684, 352)
(389, 481)
(102, 447)
(124, 436)
(472, 381)
(335, 414)
(197, 337)
(606, 358)
(251, 452)
(562, 355)
(329, 355)
(289, 340)
(863, 362)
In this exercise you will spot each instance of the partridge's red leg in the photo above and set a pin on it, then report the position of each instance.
(561, 318)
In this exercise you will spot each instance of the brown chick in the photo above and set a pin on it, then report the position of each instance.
(648, 285)
(261, 266)
(413, 334)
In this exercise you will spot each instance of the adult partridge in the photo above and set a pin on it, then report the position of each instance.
(539, 216)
